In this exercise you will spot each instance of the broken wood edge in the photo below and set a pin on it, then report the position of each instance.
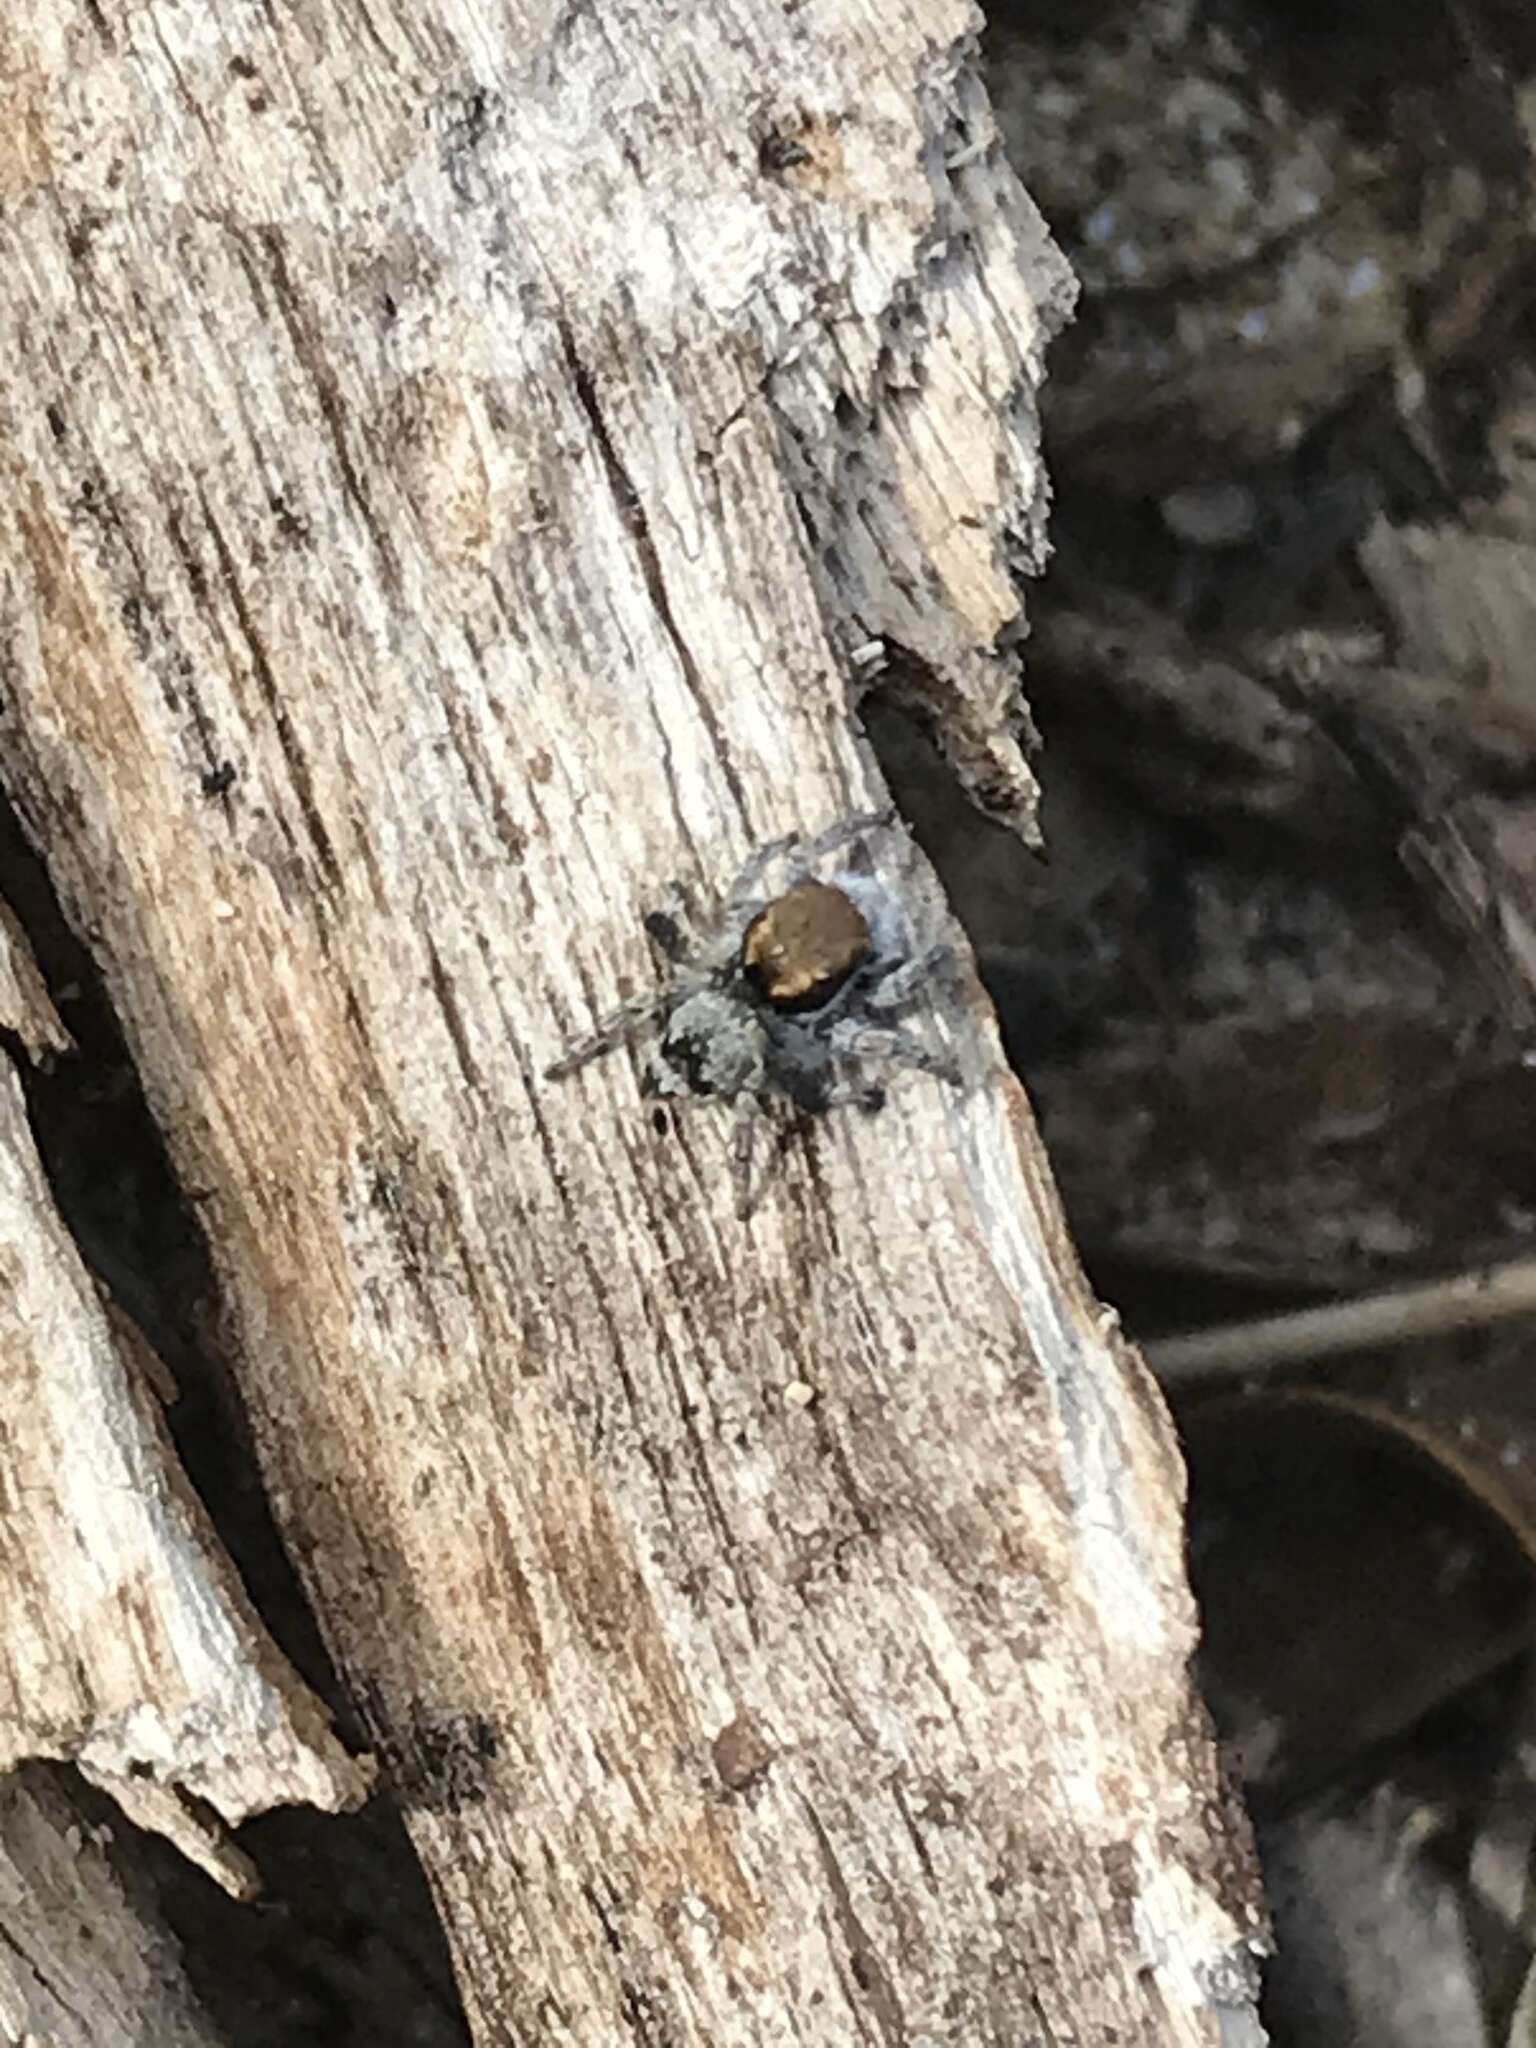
(235, 1731)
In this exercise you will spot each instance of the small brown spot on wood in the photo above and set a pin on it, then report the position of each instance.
(26, 139)
(433, 438)
(806, 152)
(741, 1754)
(803, 947)
(540, 766)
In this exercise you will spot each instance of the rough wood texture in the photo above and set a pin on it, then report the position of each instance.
(84, 1962)
(129, 1646)
(459, 461)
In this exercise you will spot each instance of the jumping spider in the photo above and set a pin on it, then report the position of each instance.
(795, 984)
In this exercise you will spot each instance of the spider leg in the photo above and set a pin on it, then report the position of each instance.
(610, 1031)
(901, 983)
(806, 853)
(844, 1094)
(745, 887)
(844, 832)
(673, 929)
(853, 1038)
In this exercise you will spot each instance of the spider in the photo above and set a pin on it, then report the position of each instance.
(794, 986)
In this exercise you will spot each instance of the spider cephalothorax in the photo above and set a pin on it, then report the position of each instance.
(794, 989)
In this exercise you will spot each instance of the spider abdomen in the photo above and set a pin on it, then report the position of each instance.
(802, 947)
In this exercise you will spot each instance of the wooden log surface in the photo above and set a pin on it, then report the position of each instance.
(461, 466)
(85, 1962)
(130, 1648)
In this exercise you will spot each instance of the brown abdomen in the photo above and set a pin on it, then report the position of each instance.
(802, 948)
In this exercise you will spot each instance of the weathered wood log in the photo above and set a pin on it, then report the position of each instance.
(461, 467)
(129, 1646)
(85, 1962)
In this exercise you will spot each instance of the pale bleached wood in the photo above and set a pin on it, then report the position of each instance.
(26, 1008)
(85, 1961)
(456, 482)
(129, 1647)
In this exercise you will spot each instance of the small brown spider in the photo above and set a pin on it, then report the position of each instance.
(796, 985)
